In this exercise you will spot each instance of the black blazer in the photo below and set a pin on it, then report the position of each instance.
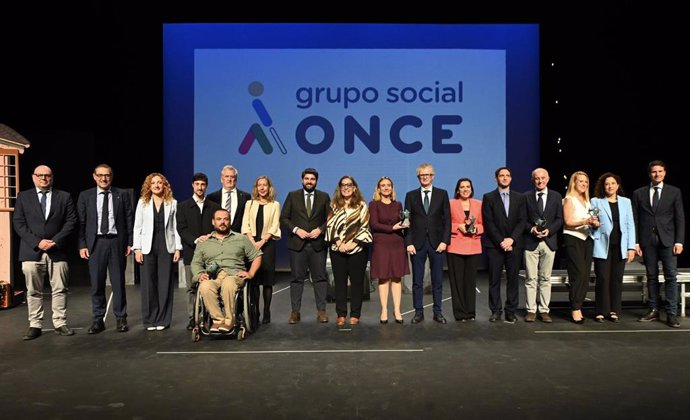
(294, 214)
(435, 225)
(242, 198)
(88, 218)
(497, 226)
(553, 214)
(192, 223)
(668, 220)
(32, 227)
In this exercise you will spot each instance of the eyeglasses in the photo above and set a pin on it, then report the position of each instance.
(104, 175)
(423, 175)
(46, 176)
(347, 185)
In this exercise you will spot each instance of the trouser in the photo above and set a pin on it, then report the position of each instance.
(35, 272)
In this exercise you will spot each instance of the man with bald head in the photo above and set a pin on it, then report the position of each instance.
(44, 218)
(544, 221)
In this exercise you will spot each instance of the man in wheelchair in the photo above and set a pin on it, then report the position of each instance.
(219, 265)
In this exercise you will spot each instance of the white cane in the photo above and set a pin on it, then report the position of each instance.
(107, 307)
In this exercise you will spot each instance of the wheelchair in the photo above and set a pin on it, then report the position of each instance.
(246, 315)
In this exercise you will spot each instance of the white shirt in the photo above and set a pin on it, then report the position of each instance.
(652, 191)
(49, 196)
(199, 203)
(111, 213)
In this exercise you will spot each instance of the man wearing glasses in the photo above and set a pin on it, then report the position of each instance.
(44, 217)
(105, 240)
(428, 237)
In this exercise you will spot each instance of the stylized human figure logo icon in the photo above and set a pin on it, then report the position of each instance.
(257, 133)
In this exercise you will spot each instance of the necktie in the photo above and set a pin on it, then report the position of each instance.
(228, 204)
(105, 214)
(655, 198)
(426, 201)
(309, 204)
(44, 202)
(506, 202)
(540, 204)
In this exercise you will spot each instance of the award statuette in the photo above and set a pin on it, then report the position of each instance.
(594, 211)
(405, 217)
(470, 227)
(540, 224)
(212, 269)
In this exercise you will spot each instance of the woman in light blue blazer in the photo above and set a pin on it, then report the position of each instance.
(156, 247)
(614, 243)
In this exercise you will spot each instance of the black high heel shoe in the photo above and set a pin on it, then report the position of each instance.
(399, 321)
(383, 321)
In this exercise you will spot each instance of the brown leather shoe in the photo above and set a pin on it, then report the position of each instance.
(294, 317)
(340, 321)
(530, 317)
(321, 316)
(545, 317)
(354, 320)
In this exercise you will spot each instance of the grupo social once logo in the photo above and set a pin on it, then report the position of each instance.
(256, 133)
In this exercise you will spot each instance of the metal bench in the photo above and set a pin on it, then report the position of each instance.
(630, 277)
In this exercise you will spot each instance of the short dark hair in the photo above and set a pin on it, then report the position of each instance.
(655, 163)
(311, 171)
(200, 176)
(502, 168)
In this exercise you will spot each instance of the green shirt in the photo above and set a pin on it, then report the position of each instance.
(229, 253)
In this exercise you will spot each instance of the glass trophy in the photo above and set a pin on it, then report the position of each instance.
(212, 269)
(405, 218)
(470, 227)
(540, 224)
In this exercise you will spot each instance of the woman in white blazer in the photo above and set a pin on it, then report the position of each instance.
(156, 247)
(614, 243)
(261, 224)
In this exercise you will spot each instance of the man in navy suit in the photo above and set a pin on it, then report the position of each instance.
(544, 221)
(105, 240)
(504, 215)
(230, 197)
(304, 216)
(428, 237)
(195, 225)
(44, 217)
(660, 226)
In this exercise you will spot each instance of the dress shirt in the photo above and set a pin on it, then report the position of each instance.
(111, 214)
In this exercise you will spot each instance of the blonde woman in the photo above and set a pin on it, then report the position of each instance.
(389, 257)
(156, 246)
(579, 219)
(347, 231)
(261, 224)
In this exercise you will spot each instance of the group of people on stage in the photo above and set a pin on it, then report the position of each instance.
(237, 232)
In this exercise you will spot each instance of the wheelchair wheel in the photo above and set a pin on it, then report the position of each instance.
(241, 334)
(250, 307)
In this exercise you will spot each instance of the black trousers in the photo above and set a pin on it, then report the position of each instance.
(352, 266)
(462, 275)
(608, 290)
(578, 254)
(107, 257)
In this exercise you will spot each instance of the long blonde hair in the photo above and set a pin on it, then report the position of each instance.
(377, 194)
(571, 185)
(271, 196)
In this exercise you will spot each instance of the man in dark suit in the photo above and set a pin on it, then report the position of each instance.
(504, 214)
(428, 237)
(195, 225)
(44, 217)
(105, 241)
(230, 198)
(304, 216)
(544, 221)
(660, 226)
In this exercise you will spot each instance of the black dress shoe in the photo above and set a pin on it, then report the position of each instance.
(32, 333)
(417, 318)
(64, 330)
(495, 317)
(191, 324)
(96, 327)
(510, 318)
(672, 321)
(122, 325)
(652, 315)
(440, 319)
(267, 318)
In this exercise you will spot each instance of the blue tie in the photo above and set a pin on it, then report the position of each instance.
(44, 203)
(426, 201)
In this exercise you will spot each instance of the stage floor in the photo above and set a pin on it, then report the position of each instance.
(461, 370)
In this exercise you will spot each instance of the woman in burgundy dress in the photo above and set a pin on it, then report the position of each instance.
(389, 259)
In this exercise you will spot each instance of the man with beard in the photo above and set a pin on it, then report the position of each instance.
(229, 250)
(304, 216)
(194, 224)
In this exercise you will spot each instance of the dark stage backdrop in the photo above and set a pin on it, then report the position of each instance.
(84, 83)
